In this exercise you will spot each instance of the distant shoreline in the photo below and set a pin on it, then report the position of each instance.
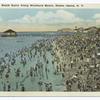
(42, 34)
(31, 31)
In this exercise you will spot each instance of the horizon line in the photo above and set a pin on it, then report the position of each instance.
(32, 31)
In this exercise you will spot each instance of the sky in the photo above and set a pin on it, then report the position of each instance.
(34, 19)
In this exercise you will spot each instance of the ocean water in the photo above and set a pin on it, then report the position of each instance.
(12, 45)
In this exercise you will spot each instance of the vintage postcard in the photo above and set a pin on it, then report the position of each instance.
(49, 49)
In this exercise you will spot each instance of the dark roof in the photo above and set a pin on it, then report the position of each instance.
(9, 30)
(90, 28)
(79, 28)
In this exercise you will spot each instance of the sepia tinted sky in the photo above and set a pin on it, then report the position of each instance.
(47, 19)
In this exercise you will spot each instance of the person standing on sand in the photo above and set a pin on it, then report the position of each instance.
(9, 87)
(22, 87)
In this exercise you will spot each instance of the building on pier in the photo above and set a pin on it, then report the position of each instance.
(9, 33)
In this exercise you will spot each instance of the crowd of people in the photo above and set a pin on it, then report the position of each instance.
(29, 69)
(74, 59)
(80, 56)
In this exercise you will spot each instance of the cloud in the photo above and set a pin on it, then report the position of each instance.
(54, 20)
(24, 19)
(49, 18)
(1, 19)
(96, 16)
